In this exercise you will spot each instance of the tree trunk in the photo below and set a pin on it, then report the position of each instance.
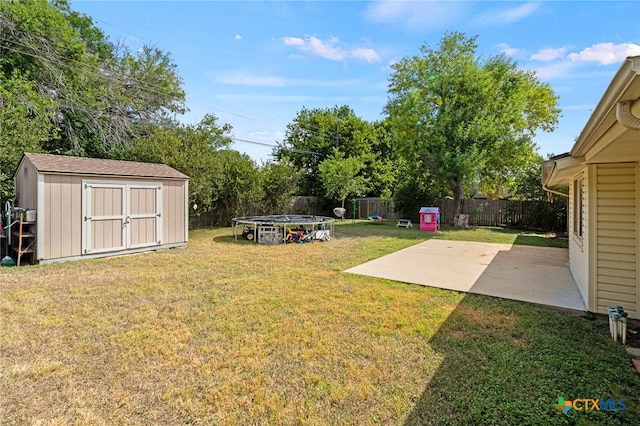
(459, 220)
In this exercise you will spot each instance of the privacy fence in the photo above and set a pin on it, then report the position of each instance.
(540, 215)
(510, 213)
(298, 205)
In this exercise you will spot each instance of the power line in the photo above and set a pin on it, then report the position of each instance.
(145, 86)
(298, 151)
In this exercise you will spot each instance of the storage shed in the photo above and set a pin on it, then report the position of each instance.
(88, 207)
(429, 219)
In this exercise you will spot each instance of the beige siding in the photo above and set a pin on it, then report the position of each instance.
(173, 212)
(616, 258)
(578, 245)
(107, 212)
(143, 231)
(62, 217)
(143, 201)
(59, 200)
(26, 182)
(143, 209)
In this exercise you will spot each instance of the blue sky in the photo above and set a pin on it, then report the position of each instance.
(256, 64)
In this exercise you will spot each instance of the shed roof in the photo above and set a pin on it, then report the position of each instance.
(61, 164)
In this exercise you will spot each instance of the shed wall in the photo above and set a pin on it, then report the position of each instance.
(62, 215)
(617, 239)
(26, 183)
(174, 224)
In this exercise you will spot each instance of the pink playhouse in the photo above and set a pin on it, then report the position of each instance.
(429, 219)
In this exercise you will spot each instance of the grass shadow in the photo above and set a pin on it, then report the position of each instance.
(504, 364)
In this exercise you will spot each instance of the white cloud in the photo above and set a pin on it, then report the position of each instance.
(238, 37)
(549, 54)
(416, 15)
(293, 41)
(509, 51)
(324, 49)
(518, 13)
(606, 53)
(368, 55)
(555, 70)
(330, 49)
(508, 16)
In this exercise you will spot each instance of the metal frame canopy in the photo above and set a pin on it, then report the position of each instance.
(273, 229)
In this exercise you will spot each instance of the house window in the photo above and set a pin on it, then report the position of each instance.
(578, 213)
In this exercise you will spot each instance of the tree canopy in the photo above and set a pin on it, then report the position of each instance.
(317, 134)
(66, 89)
(341, 176)
(464, 118)
(192, 149)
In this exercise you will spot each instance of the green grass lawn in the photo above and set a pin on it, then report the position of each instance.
(226, 332)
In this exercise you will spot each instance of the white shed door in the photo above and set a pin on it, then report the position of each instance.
(119, 216)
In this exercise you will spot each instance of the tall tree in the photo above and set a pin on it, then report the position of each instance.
(279, 182)
(341, 177)
(101, 96)
(237, 186)
(24, 127)
(466, 118)
(191, 149)
(314, 134)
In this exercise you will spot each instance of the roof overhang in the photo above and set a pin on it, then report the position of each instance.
(612, 133)
(616, 115)
(558, 170)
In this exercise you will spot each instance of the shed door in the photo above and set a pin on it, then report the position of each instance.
(105, 217)
(119, 216)
(144, 216)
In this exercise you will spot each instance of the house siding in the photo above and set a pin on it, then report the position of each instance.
(616, 227)
(578, 245)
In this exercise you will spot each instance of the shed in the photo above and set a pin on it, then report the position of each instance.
(429, 219)
(88, 207)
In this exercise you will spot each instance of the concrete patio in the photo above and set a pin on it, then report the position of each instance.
(531, 274)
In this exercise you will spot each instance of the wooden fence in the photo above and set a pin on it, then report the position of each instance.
(482, 212)
(509, 213)
(297, 205)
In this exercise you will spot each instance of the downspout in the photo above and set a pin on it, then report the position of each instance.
(625, 116)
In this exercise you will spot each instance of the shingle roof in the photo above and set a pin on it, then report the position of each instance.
(96, 166)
